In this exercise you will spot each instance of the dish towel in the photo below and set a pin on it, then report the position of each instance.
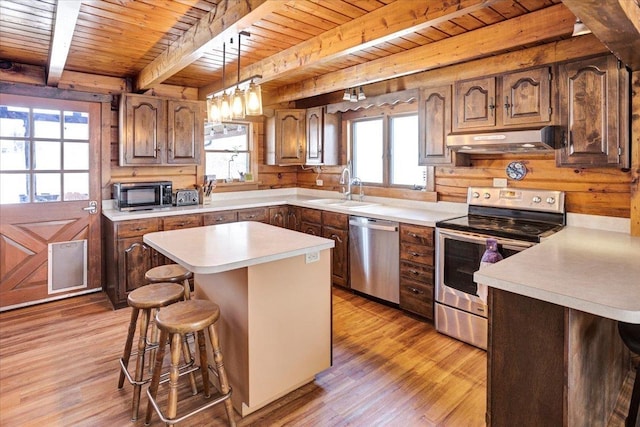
(490, 256)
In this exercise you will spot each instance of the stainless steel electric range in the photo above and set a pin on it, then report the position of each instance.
(517, 219)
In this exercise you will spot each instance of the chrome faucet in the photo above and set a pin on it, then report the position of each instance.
(345, 179)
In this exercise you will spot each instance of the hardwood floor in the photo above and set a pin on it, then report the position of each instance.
(59, 367)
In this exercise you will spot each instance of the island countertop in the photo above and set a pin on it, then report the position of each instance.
(223, 247)
(594, 271)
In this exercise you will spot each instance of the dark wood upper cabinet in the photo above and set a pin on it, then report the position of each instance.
(323, 137)
(594, 108)
(286, 138)
(475, 103)
(510, 100)
(527, 97)
(434, 124)
(157, 131)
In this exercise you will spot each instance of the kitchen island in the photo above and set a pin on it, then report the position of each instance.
(554, 355)
(273, 287)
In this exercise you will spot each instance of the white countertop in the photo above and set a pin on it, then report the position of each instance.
(411, 212)
(223, 247)
(594, 271)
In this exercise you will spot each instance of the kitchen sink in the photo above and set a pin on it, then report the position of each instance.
(346, 204)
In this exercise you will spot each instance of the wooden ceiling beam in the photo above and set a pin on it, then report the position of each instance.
(616, 23)
(214, 28)
(545, 24)
(63, 28)
(382, 25)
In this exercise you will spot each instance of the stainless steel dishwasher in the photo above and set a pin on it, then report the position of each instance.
(374, 257)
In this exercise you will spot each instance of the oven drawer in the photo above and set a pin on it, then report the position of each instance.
(416, 253)
(416, 297)
(417, 272)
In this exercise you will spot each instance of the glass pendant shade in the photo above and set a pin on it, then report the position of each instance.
(213, 110)
(225, 108)
(361, 95)
(354, 96)
(346, 96)
(253, 100)
(237, 104)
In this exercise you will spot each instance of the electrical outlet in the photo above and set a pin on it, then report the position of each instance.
(499, 182)
(311, 257)
(319, 182)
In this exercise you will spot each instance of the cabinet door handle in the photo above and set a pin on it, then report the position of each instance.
(506, 103)
(414, 272)
(251, 216)
(491, 106)
(414, 235)
(310, 231)
(415, 254)
(336, 237)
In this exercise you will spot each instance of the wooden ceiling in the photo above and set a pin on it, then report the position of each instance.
(301, 48)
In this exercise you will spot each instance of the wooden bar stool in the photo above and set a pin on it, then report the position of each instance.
(173, 273)
(630, 334)
(193, 316)
(142, 301)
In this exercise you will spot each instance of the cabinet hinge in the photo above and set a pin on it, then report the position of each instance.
(550, 110)
(619, 151)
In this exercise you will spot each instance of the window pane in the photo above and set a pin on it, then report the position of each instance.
(76, 125)
(76, 155)
(404, 152)
(46, 155)
(14, 121)
(46, 123)
(368, 150)
(47, 187)
(14, 155)
(14, 188)
(226, 136)
(225, 165)
(76, 186)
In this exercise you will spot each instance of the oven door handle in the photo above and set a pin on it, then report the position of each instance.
(482, 239)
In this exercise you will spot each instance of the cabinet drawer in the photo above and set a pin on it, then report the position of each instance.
(224, 217)
(181, 221)
(417, 272)
(137, 228)
(257, 214)
(416, 253)
(311, 215)
(310, 228)
(416, 234)
(417, 298)
(335, 220)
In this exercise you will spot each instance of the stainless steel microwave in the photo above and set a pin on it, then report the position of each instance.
(131, 196)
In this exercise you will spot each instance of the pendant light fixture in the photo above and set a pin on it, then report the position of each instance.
(237, 102)
(253, 100)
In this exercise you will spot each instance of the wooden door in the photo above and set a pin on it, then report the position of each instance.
(475, 104)
(185, 132)
(49, 174)
(314, 136)
(527, 97)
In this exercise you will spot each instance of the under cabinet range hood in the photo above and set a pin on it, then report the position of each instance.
(543, 139)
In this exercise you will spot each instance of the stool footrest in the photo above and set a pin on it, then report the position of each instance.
(207, 405)
(187, 368)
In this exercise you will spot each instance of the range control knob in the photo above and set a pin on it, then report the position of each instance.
(487, 195)
(475, 195)
(551, 200)
(536, 199)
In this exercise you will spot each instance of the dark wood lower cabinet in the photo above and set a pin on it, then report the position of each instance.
(549, 365)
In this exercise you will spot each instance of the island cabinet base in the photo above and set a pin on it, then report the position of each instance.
(549, 365)
(274, 327)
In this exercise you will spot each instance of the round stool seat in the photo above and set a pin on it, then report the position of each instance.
(155, 295)
(630, 334)
(174, 273)
(188, 316)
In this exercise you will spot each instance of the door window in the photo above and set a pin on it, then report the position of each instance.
(44, 155)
